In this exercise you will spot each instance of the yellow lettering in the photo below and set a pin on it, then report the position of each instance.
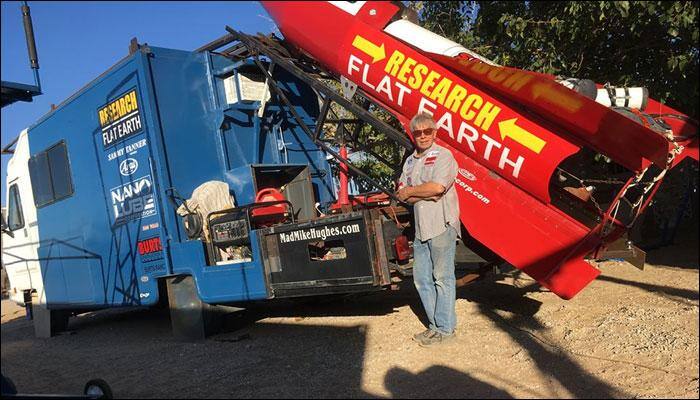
(394, 62)
(517, 80)
(122, 107)
(406, 68)
(131, 100)
(481, 68)
(429, 82)
(418, 73)
(465, 111)
(486, 116)
(134, 103)
(103, 118)
(498, 74)
(440, 91)
(455, 98)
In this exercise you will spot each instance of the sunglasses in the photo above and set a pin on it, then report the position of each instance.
(421, 132)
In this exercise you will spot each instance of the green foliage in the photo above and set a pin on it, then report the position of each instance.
(652, 43)
(369, 143)
(380, 172)
(626, 43)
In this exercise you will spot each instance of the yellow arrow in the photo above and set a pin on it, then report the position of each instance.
(376, 52)
(520, 135)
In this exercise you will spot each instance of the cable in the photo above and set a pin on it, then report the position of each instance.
(398, 224)
(682, 118)
(676, 116)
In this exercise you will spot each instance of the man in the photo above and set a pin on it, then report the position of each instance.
(427, 182)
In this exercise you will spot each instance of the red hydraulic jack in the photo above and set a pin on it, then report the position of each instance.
(343, 202)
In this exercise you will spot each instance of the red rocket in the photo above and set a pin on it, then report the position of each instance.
(512, 132)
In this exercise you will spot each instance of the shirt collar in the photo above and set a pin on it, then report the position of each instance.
(431, 148)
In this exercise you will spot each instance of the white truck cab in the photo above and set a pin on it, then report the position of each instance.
(20, 236)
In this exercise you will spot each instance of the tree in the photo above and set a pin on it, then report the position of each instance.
(650, 43)
(644, 43)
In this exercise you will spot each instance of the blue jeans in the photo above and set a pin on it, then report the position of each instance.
(434, 278)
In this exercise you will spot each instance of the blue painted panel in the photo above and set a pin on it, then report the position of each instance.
(77, 270)
(191, 151)
(52, 273)
(240, 181)
(240, 136)
(110, 241)
(280, 126)
(222, 283)
(104, 219)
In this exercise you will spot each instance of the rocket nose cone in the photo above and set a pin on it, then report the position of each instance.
(276, 10)
(316, 28)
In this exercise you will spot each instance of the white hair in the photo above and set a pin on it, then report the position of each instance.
(422, 118)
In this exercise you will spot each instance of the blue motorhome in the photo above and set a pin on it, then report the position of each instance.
(180, 173)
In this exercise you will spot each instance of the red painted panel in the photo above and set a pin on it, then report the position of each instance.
(534, 237)
(603, 129)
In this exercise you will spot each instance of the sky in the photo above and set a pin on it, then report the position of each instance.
(77, 41)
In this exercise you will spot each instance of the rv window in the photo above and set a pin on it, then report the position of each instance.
(41, 182)
(50, 175)
(15, 218)
(60, 173)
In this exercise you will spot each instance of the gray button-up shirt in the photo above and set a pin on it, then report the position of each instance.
(436, 165)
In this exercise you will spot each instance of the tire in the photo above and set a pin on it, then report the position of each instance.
(7, 387)
(98, 389)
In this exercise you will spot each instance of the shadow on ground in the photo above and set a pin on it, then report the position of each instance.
(135, 352)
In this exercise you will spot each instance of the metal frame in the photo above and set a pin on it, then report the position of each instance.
(12, 91)
(250, 46)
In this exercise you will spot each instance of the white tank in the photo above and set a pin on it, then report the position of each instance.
(429, 41)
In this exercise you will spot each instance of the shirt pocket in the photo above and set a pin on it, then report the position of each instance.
(426, 173)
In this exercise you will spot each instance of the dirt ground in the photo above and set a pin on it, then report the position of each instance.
(631, 333)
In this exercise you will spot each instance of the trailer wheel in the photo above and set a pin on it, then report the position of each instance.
(7, 387)
(98, 389)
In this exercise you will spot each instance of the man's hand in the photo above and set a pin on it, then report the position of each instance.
(404, 193)
(408, 194)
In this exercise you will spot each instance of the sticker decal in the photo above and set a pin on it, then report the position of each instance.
(130, 149)
(466, 115)
(120, 119)
(128, 167)
(318, 233)
(133, 200)
(149, 269)
(468, 189)
(146, 227)
(466, 174)
(150, 249)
